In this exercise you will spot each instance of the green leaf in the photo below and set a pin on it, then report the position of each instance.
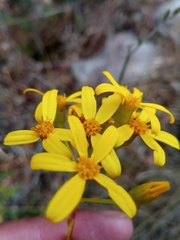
(140, 40)
(176, 11)
(166, 15)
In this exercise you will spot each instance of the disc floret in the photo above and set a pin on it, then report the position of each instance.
(87, 168)
(43, 129)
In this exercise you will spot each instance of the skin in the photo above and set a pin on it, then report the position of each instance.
(89, 225)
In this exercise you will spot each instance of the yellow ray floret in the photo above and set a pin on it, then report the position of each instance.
(44, 130)
(140, 126)
(85, 168)
(91, 118)
(131, 101)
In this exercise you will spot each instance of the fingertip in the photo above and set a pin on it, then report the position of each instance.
(89, 225)
(103, 225)
(36, 228)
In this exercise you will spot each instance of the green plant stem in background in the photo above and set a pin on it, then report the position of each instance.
(131, 50)
(97, 200)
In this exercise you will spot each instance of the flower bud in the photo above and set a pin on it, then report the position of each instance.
(148, 192)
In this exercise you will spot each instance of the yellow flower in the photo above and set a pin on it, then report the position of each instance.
(88, 114)
(60, 101)
(148, 192)
(139, 125)
(130, 103)
(92, 121)
(86, 168)
(44, 130)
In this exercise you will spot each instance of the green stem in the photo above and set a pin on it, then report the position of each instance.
(126, 61)
(97, 200)
(70, 222)
(132, 50)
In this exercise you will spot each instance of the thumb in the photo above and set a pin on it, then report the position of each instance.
(89, 225)
(103, 225)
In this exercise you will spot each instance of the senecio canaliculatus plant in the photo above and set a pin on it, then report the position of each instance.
(80, 138)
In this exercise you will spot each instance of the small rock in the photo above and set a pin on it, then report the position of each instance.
(111, 58)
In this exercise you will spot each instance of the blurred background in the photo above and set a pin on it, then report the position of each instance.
(47, 44)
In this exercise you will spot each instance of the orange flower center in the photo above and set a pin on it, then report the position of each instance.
(139, 126)
(91, 127)
(43, 129)
(132, 102)
(61, 102)
(82, 118)
(87, 168)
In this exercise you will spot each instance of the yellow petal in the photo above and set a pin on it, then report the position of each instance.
(77, 108)
(159, 155)
(144, 116)
(52, 162)
(121, 89)
(167, 138)
(74, 96)
(137, 93)
(20, 137)
(118, 194)
(63, 134)
(111, 164)
(95, 139)
(105, 87)
(38, 113)
(66, 199)
(88, 102)
(125, 133)
(49, 105)
(32, 90)
(111, 79)
(74, 100)
(155, 124)
(111, 103)
(105, 144)
(79, 135)
(161, 108)
(52, 144)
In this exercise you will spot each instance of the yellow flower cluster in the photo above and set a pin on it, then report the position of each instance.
(87, 147)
